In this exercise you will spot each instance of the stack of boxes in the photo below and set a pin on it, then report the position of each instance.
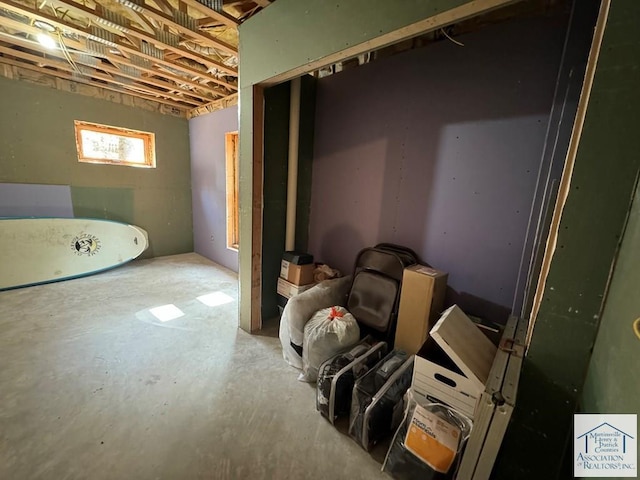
(452, 355)
(296, 275)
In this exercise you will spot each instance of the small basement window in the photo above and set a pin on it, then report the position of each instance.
(233, 175)
(97, 143)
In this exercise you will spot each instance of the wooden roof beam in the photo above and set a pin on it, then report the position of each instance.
(165, 6)
(222, 17)
(65, 66)
(77, 57)
(39, 15)
(118, 60)
(128, 29)
(213, 106)
(66, 76)
(142, 21)
(169, 20)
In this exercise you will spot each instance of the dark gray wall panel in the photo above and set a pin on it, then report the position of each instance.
(274, 213)
(208, 184)
(438, 149)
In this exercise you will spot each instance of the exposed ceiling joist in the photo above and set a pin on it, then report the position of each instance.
(87, 33)
(168, 20)
(118, 60)
(222, 17)
(164, 5)
(144, 23)
(161, 50)
(91, 72)
(132, 72)
(159, 38)
(106, 86)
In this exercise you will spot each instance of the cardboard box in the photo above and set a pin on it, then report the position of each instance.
(299, 258)
(297, 274)
(421, 301)
(288, 290)
(454, 363)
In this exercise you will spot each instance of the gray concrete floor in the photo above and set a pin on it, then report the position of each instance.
(93, 386)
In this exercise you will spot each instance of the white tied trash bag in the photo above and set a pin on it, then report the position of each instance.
(299, 310)
(330, 331)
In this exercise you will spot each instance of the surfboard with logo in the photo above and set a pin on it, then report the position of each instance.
(41, 250)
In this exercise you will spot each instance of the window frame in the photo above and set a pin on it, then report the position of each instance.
(148, 139)
(232, 174)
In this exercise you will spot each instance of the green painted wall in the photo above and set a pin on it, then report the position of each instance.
(613, 379)
(301, 32)
(37, 145)
(590, 229)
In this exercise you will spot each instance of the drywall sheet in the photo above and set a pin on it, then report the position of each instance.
(298, 43)
(32, 200)
(208, 184)
(570, 319)
(107, 203)
(447, 164)
(274, 213)
(38, 146)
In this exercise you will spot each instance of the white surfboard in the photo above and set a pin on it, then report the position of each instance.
(41, 250)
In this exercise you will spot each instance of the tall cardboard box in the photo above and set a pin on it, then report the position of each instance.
(421, 301)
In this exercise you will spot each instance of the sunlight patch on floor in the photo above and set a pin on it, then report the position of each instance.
(166, 313)
(214, 299)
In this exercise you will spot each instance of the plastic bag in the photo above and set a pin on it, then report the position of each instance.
(377, 405)
(428, 443)
(330, 331)
(300, 309)
(337, 375)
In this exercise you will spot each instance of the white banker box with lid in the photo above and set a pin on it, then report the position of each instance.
(454, 363)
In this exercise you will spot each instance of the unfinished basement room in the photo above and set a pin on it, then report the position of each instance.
(301, 239)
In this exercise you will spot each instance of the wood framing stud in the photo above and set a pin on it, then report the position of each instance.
(213, 106)
(256, 215)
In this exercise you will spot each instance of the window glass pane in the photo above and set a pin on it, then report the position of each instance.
(112, 147)
(106, 144)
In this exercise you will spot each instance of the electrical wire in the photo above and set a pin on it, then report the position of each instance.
(454, 41)
(65, 52)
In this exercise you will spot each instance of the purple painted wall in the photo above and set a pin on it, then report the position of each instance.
(438, 149)
(33, 200)
(208, 184)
